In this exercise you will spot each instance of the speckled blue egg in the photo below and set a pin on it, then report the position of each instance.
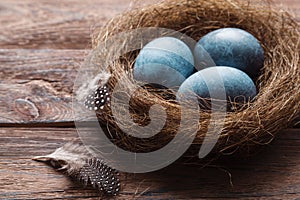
(231, 47)
(166, 61)
(238, 86)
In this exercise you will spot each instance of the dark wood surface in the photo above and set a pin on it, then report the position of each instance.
(271, 174)
(42, 44)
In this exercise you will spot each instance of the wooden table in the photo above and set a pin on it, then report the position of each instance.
(42, 44)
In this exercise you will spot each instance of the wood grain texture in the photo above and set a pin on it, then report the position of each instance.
(53, 24)
(66, 24)
(37, 85)
(273, 173)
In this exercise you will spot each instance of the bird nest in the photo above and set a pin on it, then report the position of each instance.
(255, 123)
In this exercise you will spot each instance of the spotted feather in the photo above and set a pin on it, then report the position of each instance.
(98, 99)
(76, 162)
(97, 174)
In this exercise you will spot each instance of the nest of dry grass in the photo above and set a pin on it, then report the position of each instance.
(275, 106)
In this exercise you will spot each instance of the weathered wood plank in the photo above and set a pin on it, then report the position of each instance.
(37, 85)
(273, 173)
(65, 24)
(54, 24)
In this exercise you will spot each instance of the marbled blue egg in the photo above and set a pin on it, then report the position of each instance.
(165, 61)
(231, 47)
(236, 85)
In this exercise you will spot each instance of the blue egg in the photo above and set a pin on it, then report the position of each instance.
(211, 82)
(165, 61)
(230, 47)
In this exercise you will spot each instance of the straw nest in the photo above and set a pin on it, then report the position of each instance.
(275, 107)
